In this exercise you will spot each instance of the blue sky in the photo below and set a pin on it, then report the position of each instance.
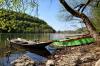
(49, 13)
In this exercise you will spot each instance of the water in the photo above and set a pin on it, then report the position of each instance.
(9, 54)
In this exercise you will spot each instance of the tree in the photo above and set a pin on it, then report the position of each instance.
(96, 20)
(77, 13)
(80, 14)
(19, 5)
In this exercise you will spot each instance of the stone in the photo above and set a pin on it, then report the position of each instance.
(32, 62)
(97, 63)
(50, 63)
(68, 60)
(23, 61)
(26, 63)
(88, 57)
(56, 56)
(19, 64)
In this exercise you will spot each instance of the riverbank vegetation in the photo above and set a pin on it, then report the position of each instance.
(15, 22)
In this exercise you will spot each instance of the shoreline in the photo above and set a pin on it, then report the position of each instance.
(85, 55)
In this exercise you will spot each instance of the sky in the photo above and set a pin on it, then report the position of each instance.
(49, 11)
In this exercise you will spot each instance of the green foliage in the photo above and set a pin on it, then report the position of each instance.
(96, 20)
(1, 1)
(11, 21)
(19, 5)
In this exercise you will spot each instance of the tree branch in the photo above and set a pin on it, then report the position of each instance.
(80, 6)
(86, 4)
(69, 9)
(83, 6)
(75, 13)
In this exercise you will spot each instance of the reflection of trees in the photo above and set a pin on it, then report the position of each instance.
(28, 36)
(5, 54)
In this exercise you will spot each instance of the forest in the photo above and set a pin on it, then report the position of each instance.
(16, 22)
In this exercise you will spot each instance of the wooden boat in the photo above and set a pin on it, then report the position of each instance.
(74, 42)
(29, 44)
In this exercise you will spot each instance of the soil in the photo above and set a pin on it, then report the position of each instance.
(85, 55)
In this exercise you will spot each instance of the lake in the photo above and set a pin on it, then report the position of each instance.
(9, 54)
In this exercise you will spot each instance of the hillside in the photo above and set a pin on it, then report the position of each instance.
(14, 22)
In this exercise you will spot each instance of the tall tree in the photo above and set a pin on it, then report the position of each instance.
(80, 14)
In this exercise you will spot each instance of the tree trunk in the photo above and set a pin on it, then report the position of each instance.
(89, 25)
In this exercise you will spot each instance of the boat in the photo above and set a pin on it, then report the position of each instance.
(83, 40)
(29, 44)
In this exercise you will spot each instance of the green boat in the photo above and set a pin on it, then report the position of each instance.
(74, 42)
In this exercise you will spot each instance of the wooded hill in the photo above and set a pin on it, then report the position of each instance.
(14, 22)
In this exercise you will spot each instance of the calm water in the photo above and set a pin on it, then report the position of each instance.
(9, 54)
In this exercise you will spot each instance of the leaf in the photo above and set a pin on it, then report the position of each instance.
(1, 1)
(16, 2)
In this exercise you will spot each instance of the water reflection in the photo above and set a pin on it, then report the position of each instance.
(6, 59)
(9, 54)
(35, 54)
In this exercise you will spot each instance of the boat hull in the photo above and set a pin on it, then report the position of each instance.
(74, 42)
(29, 44)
